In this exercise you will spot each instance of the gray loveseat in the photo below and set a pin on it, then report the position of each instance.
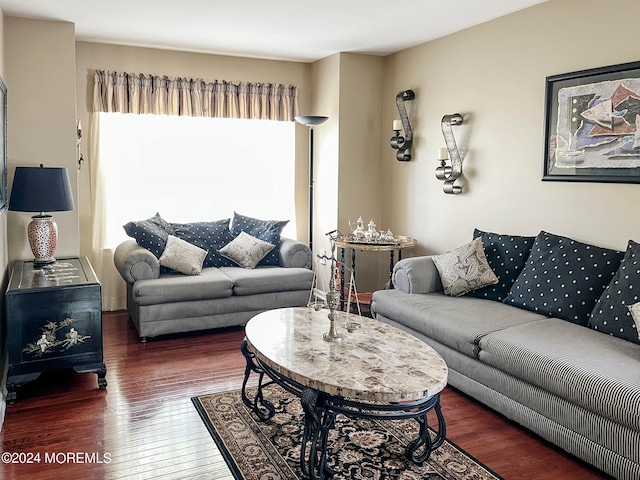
(573, 385)
(162, 302)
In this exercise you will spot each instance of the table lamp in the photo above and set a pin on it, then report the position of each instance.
(40, 189)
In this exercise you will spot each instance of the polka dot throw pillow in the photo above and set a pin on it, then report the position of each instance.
(564, 278)
(151, 233)
(507, 255)
(266, 230)
(210, 236)
(614, 312)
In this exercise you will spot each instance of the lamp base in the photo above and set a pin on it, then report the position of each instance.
(43, 239)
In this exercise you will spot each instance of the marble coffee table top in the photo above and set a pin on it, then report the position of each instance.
(376, 363)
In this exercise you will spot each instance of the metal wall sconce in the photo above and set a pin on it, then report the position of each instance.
(398, 142)
(450, 173)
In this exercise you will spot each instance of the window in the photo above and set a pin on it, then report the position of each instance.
(195, 169)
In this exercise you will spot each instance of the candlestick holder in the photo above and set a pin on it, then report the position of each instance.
(450, 173)
(398, 142)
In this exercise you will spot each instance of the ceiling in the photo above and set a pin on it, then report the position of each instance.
(293, 30)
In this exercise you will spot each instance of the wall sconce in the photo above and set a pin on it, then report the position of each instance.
(450, 173)
(400, 143)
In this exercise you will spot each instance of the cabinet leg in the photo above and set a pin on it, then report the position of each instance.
(102, 380)
(99, 369)
(16, 381)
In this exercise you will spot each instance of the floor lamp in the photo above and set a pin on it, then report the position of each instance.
(311, 121)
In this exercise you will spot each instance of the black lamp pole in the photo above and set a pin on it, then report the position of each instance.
(311, 121)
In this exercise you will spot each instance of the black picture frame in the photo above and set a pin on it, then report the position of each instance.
(4, 187)
(592, 125)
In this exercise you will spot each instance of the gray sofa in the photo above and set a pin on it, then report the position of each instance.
(572, 385)
(162, 302)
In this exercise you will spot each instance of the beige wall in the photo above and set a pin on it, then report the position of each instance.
(359, 185)
(347, 89)
(326, 101)
(92, 56)
(494, 75)
(40, 78)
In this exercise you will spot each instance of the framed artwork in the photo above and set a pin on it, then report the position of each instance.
(592, 125)
(3, 147)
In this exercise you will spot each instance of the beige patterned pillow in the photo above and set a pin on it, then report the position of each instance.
(246, 250)
(182, 256)
(635, 313)
(464, 269)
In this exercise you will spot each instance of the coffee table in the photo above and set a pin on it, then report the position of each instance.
(377, 371)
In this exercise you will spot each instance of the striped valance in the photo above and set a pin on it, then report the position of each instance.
(139, 93)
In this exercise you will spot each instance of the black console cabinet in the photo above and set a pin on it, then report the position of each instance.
(54, 321)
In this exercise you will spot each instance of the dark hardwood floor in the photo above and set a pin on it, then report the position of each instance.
(145, 426)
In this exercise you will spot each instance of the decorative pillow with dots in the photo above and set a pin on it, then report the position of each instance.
(564, 278)
(507, 255)
(265, 230)
(151, 233)
(617, 312)
(210, 236)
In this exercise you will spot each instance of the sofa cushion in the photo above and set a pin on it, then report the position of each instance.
(458, 322)
(175, 287)
(464, 269)
(210, 236)
(246, 250)
(182, 256)
(563, 278)
(268, 279)
(595, 371)
(612, 314)
(267, 230)
(507, 256)
(151, 233)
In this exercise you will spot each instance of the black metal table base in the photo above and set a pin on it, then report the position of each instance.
(320, 411)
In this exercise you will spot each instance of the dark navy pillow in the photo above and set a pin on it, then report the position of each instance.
(611, 314)
(267, 230)
(210, 236)
(564, 278)
(151, 233)
(507, 255)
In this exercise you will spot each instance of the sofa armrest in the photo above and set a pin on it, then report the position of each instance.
(294, 254)
(416, 275)
(135, 262)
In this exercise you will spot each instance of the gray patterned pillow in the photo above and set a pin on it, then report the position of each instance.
(182, 256)
(246, 250)
(635, 313)
(464, 269)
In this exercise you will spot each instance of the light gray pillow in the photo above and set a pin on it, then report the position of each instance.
(246, 250)
(182, 256)
(464, 269)
(635, 313)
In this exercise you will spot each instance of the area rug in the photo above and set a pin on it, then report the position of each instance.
(362, 449)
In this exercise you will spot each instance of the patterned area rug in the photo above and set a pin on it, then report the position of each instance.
(362, 449)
